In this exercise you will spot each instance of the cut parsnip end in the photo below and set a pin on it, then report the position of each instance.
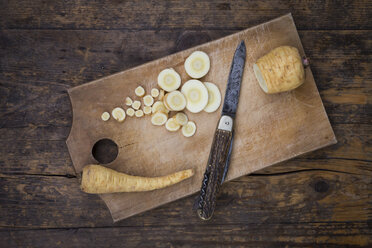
(136, 105)
(169, 80)
(172, 125)
(159, 107)
(175, 100)
(118, 114)
(161, 95)
(139, 91)
(159, 119)
(280, 70)
(196, 95)
(139, 113)
(154, 92)
(105, 116)
(214, 98)
(147, 110)
(128, 101)
(197, 64)
(181, 118)
(148, 100)
(130, 112)
(189, 129)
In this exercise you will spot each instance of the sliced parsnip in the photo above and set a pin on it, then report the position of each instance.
(105, 116)
(214, 97)
(161, 95)
(196, 95)
(118, 114)
(154, 92)
(189, 129)
(181, 118)
(148, 100)
(128, 101)
(197, 64)
(136, 105)
(130, 112)
(169, 80)
(147, 110)
(175, 100)
(172, 125)
(158, 106)
(139, 91)
(159, 118)
(139, 113)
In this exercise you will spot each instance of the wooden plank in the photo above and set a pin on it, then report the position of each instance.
(34, 85)
(51, 157)
(302, 235)
(302, 197)
(179, 14)
(278, 127)
(37, 109)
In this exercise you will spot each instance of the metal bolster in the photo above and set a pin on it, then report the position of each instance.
(226, 123)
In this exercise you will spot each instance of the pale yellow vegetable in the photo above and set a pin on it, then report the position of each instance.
(161, 95)
(97, 179)
(139, 113)
(118, 114)
(147, 110)
(105, 116)
(154, 92)
(159, 107)
(136, 105)
(148, 100)
(130, 112)
(280, 70)
(139, 91)
(159, 118)
(128, 101)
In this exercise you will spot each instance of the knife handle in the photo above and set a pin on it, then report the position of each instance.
(215, 168)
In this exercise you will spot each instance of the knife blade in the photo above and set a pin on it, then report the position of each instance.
(219, 156)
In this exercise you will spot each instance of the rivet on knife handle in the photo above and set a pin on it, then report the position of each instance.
(215, 168)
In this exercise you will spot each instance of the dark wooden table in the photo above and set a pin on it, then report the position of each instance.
(320, 199)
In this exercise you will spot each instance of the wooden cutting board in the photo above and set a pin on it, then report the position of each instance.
(268, 128)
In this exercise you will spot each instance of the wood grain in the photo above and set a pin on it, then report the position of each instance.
(301, 197)
(47, 47)
(301, 235)
(105, 14)
(277, 127)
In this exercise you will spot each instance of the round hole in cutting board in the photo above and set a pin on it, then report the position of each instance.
(105, 151)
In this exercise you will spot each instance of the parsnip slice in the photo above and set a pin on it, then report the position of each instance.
(172, 125)
(136, 105)
(148, 100)
(175, 100)
(189, 129)
(181, 118)
(130, 112)
(169, 80)
(154, 92)
(159, 118)
(147, 110)
(105, 116)
(118, 114)
(197, 64)
(214, 97)
(196, 95)
(139, 91)
(139, 113)
(128, 101)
